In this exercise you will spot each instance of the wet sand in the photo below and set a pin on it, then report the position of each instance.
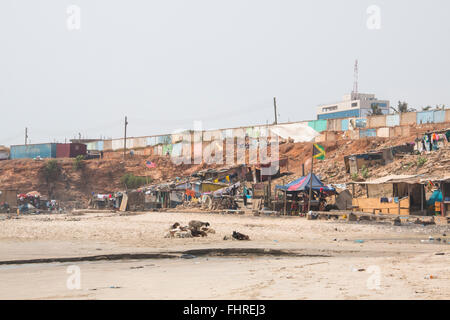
(391, 263)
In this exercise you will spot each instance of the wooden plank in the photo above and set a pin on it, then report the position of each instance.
(373, 205)
(366, 214)
(123, 204)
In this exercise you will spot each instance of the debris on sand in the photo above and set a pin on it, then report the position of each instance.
(195, 224)
(178, 231)
(198, 233)
(397, 222)
(208, 230)
(195, 229)
(240, 236)
(188, 256)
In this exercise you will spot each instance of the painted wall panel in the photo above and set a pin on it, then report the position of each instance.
(151, 141)
(318, 125)
(212, 135)
(393, 120)
(366, 133)
(177, 149)
(44, 150)
(239, 133)
(383, 132)
(139, 142)
(117, 144)
(376, 121)
(361, 123)
(425, 117)
(107, 145)
(439, 116)
(344, 124)
(408, 118)
(181, 136)
(447, 115)
(167, 149)
(164, 139)
(334, 125)
(92, 146)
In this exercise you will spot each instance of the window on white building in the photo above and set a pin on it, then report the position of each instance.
(327, 109)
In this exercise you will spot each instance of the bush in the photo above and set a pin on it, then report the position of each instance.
(355, 176)
(51, 170)
(421, 161)
(78, 162)
(364, 172)
(132, 182)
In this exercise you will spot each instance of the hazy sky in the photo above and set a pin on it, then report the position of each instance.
(167, 63)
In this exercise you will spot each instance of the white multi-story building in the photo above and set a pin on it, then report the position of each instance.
(352, 106)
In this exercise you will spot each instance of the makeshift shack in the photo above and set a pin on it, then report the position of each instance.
(394, 194)
(295, 195)
(8, 200)
(102, 201)
(164, 195)
(355, 162)
(444, 188)
(135, 200)
(270, 170)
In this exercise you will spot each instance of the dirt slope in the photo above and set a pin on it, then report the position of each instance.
(103, 176)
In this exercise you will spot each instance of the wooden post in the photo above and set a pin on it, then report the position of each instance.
(310, 180)
(285, 201)
(270, 193)
(422, 191)
(125, 139)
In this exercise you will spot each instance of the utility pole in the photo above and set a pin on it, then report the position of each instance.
(275, 109)
(125, 139)
(26, 135)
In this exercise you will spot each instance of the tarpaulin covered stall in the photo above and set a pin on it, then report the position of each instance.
(303, 184)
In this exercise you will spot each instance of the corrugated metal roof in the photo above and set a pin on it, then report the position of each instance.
(416, 178)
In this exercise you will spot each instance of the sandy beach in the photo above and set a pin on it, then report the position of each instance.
(286, 258)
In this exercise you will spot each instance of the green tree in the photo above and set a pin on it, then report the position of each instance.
(51, 170)
(421, 161)
(365, 172)
(403, 107)
(133, 182)
(78, 162)
(375, 110)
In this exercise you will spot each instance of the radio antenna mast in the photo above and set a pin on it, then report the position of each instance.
(355, 82)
